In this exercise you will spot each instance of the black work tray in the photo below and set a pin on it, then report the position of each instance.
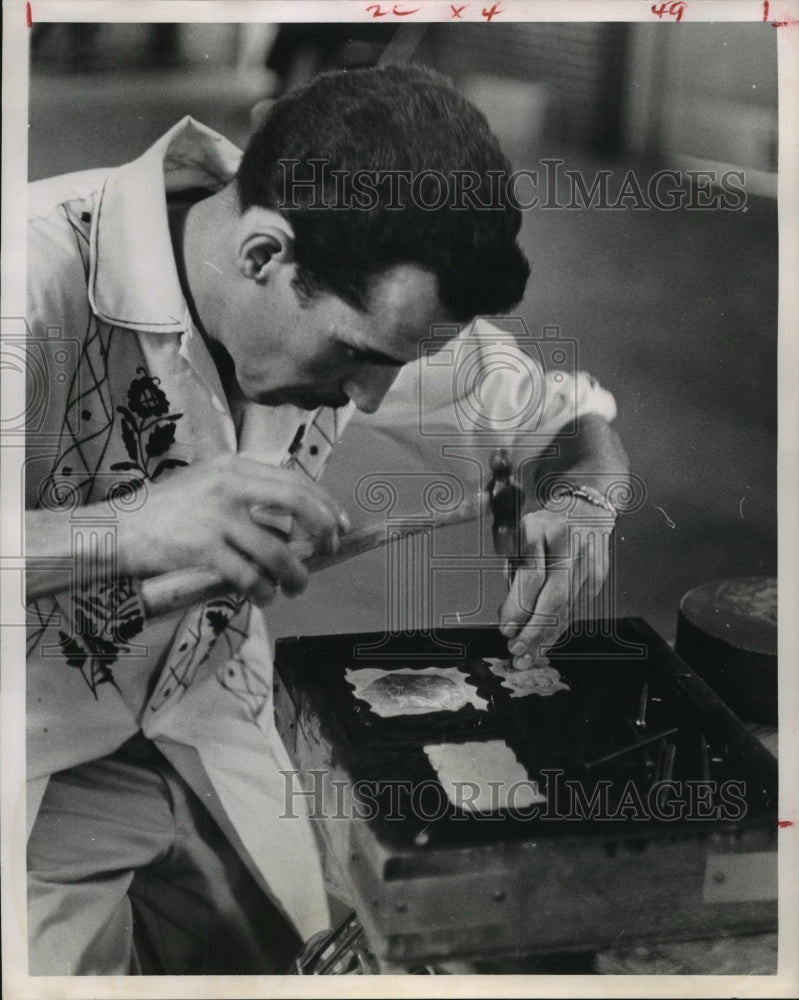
(603, 854)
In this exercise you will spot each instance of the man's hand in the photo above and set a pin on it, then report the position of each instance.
(564, 561)
(219, 513)
(215, 513)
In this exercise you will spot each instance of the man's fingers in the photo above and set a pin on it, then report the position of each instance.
(568, 593)
(520, 602)
(270, 555)
(236, 500)
(541, 560)
(533, 614)
(271, 491)
(549, 619)
(317, 515)
(244, 575)
(262, 478)
(559, 581)
(595, 557)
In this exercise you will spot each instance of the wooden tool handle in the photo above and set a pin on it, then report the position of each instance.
(161, 594)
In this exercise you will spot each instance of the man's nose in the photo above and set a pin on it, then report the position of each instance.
(368, 388)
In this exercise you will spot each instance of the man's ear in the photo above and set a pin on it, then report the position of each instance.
(263, 245)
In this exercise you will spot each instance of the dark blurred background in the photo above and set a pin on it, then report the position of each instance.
(674, 311)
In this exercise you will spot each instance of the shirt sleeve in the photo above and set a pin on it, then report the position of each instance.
(489, 381)
(55, 329)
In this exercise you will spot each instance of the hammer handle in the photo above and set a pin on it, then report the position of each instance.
(161, 594)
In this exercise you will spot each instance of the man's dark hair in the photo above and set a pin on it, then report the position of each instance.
(302, 161)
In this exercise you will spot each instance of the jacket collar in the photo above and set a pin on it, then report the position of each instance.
(133, 280)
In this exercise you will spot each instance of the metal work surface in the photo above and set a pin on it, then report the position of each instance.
(657, 818)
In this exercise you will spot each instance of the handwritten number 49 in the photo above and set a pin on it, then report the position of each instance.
(675, 9)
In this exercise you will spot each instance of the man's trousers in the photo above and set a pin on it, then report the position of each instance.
(129, 873)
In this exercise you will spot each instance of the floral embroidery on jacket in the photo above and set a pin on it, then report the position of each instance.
(104, 622)
(107, 615)
(148, 429)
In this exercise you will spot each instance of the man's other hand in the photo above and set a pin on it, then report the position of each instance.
(564, 566)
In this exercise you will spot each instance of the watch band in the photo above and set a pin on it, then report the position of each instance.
(593, 496)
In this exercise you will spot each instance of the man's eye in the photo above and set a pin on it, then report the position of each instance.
(352, 354)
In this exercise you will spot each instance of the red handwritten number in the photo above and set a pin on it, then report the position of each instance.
(491, 12)
(765, 10)
(395, 10)
(675, 9)
(28, 15)
(457, 11)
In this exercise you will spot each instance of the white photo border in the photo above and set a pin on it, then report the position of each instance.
(17, 17)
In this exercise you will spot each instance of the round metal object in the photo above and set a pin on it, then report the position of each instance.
(727, 633)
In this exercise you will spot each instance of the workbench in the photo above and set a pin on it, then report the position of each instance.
(560, 891)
